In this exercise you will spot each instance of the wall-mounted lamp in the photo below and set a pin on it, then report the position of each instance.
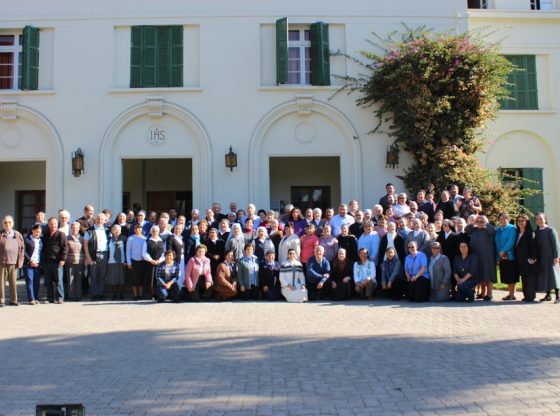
(231, 159)
(393, 156)
(77, 162)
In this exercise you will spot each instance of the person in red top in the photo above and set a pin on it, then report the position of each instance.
(308, 241)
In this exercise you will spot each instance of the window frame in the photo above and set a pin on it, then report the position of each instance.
(304, 59)
(17, 64)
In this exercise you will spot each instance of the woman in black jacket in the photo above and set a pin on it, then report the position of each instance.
(526, 256)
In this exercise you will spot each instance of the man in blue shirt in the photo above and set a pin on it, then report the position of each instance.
(318, 276)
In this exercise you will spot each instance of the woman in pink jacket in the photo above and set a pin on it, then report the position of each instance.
(198, 277)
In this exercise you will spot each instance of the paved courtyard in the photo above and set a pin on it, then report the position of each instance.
(353, 358)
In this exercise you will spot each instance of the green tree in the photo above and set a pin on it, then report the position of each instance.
(434, 94)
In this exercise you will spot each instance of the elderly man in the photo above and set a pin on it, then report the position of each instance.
(95, 248)
(55, 250)
(439, 270)
(64, 222)
(318, 274)
(11, 258)
(217, 209)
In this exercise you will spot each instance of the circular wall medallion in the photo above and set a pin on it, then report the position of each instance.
(11, 137)
(157, 135)
(305, 132)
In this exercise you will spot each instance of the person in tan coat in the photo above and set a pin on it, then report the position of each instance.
(225, 283)
(11, 258)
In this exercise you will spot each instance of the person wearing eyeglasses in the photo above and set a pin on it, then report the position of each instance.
(416, 271)
(526, 257)
(483, 247)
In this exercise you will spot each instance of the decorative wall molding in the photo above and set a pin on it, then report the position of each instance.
(304, 103)
(8, 109)
(155, 106)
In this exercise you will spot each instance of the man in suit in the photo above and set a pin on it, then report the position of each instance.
(55, 250)
(439, 270)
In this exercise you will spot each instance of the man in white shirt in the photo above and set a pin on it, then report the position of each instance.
(95, 248)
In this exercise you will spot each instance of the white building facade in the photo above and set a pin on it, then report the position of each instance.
(154, 95)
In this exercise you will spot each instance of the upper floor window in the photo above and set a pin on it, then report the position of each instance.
(156, 56)
(522, 84)
(302, 54)
(10, 61)
(19, 60)
(478, 4)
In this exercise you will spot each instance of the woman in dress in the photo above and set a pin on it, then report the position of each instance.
(74, 265)
(364, 275)
(505, 238)
(135, 262)
(289, 241)
(225, 283)
(292, 280)
(342, 283)
(236, 241)
(416, 271)
(465, 274)
(526, 257)
(248, 274)
(393, 280)
(548, 251)
(153, 254)
(401, 208)
(167, 276)
(269, 278)
(248, 231)
(262, 244)
(116, 265)
(348, 242)
(216, 249)
(482, 246)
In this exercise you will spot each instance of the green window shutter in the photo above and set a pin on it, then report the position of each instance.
(533, 179)
(163, 57)
(522, 84)
(136, 80)
(320, 59)
(149, 56)
(282, 51)
(30, 64)
(176, 64)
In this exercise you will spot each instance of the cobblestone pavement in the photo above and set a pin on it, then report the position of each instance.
(245, 358)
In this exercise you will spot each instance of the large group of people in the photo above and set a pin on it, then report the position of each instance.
(418, 250)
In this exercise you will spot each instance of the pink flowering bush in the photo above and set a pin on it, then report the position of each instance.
(434, 94)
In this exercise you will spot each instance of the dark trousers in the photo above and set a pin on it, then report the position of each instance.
(97, 274)
(529, 283)
(399, 288)
(53, 281)
(32, 282)
(465, 291)
(199, 292)
(273, 293)
(253, 293)
(342, 291)
(172, 293)
(419, 290)
(317, 294)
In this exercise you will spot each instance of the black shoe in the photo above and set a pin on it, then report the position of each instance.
(487, 298)
(14, 303)
(547, 298)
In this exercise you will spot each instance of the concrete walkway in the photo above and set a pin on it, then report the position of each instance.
(351, 358)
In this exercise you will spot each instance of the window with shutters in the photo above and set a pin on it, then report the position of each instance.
(478, 4)
(156, 56)
(542, 4)
(302, 53)
(19, 60)
(531, 178)
(522, 84)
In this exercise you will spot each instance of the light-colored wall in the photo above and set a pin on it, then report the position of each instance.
(520, 138)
